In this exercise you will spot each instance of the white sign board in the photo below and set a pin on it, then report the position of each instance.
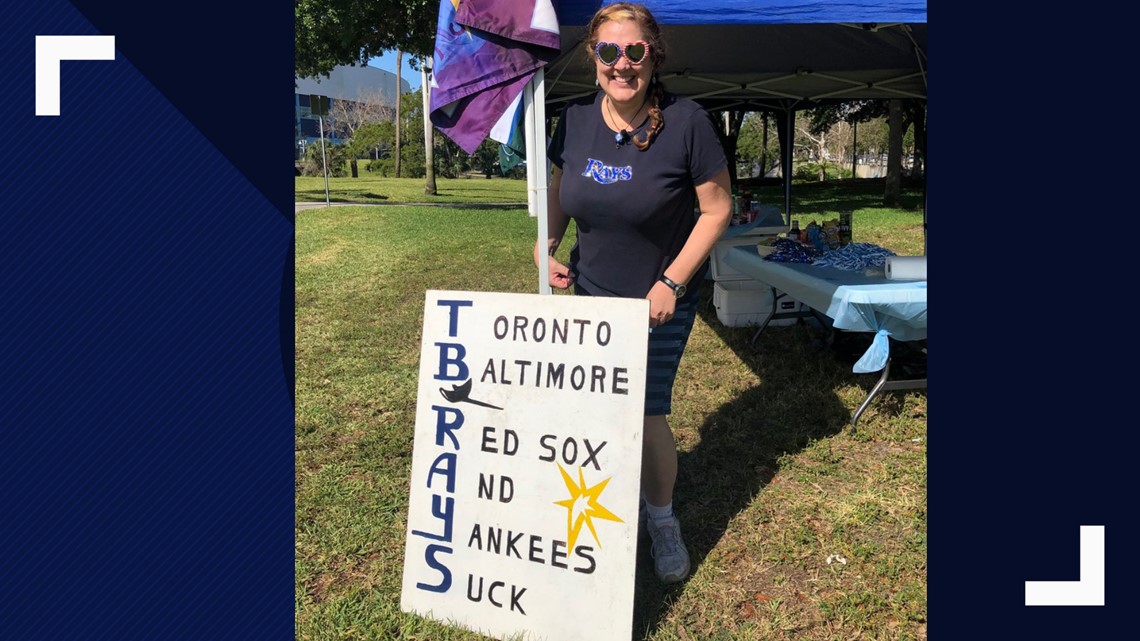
(522, 516)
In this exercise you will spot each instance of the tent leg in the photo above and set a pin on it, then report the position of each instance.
(925, 202)
(786, 160)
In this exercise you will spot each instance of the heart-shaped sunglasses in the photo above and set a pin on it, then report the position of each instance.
(609, 53)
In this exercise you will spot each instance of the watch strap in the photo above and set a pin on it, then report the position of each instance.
(677, 288)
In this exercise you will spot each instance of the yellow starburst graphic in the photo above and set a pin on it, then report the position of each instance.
(583, 506)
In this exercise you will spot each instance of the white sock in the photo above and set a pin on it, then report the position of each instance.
(660, 513)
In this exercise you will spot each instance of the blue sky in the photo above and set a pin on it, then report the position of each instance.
(387, 62)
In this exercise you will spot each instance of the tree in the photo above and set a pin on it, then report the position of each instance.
(330, 33)
(900, 116)
(914, 113)
(349, 116)
(764, 146)
(754, 146)
(314, 163)
(873, 137)
(369, 138)
(415, 151)
(429, 133)
(844, 116)
(892, 194)
(782, 143)
(411, 135)
(821, 154)
(486, 156)
(729, 134)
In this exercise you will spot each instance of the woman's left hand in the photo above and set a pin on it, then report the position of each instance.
(662, 304)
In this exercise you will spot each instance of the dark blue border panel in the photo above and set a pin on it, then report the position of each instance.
(146, 470)
(1031, 434)
(227, 66)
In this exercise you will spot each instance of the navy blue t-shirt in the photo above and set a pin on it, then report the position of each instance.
(633, 209)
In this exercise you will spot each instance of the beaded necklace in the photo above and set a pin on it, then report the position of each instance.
(623, 136)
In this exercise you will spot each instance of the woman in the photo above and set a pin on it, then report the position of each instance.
(631, 164)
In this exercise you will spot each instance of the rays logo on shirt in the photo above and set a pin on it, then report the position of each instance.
(604, 174)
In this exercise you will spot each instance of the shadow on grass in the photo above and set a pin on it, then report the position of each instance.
(316, 195)
(371, 198)
(742, 442)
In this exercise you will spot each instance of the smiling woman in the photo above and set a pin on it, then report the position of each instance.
(626, 61)
(636, 234)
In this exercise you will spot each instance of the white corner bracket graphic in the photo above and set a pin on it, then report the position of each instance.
(50, 50)
(1089, 590)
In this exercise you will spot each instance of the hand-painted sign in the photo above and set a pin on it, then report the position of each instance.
(522, 515)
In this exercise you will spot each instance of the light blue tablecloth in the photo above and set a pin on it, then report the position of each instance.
(854, 301)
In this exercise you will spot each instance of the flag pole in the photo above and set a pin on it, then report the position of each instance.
(324, 161)
(534, 121)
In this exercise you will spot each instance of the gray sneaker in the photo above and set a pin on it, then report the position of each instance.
(670, 558)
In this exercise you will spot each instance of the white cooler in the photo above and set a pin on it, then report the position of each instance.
(740, 303)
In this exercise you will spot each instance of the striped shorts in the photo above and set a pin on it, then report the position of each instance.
(666, 344)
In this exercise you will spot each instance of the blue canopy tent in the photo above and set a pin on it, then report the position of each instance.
(778, 55)
(763, 53)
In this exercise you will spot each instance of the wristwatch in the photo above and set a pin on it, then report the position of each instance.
(678, 290)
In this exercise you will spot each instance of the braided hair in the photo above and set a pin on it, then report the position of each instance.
(651, 31)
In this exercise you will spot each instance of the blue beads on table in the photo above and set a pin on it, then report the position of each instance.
(854, 257)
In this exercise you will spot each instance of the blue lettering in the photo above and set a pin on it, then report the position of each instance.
(447, 421)
(445, 579)
(443, 464)
(600, 175)
(445, 361)
(443, 510)
(592, 166)
(606, 175)
(445, 428)
(453, 313)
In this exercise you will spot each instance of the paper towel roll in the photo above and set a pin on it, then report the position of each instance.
(906, 268)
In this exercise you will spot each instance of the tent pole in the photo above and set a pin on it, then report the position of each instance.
(534, 115)
(528, 137)
(542, 178)
(786, 161)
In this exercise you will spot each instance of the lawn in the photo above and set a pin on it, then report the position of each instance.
(773, 480)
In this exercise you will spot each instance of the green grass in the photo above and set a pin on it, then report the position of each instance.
(368, 189)
(773, 480)
(899, 230)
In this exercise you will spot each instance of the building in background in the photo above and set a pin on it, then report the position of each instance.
(345, 84)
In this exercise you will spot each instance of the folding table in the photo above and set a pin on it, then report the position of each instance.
(854, 301)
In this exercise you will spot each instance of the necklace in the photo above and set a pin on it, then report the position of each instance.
(624, 135)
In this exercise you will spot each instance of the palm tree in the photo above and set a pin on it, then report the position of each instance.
(399, 92)
(429, 132)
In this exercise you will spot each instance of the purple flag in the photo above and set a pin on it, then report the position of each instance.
(529, 21)
(485, 53)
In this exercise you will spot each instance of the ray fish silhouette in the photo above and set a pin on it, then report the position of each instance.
(461, 394)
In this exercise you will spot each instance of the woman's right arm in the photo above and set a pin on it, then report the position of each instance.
(556, 224)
